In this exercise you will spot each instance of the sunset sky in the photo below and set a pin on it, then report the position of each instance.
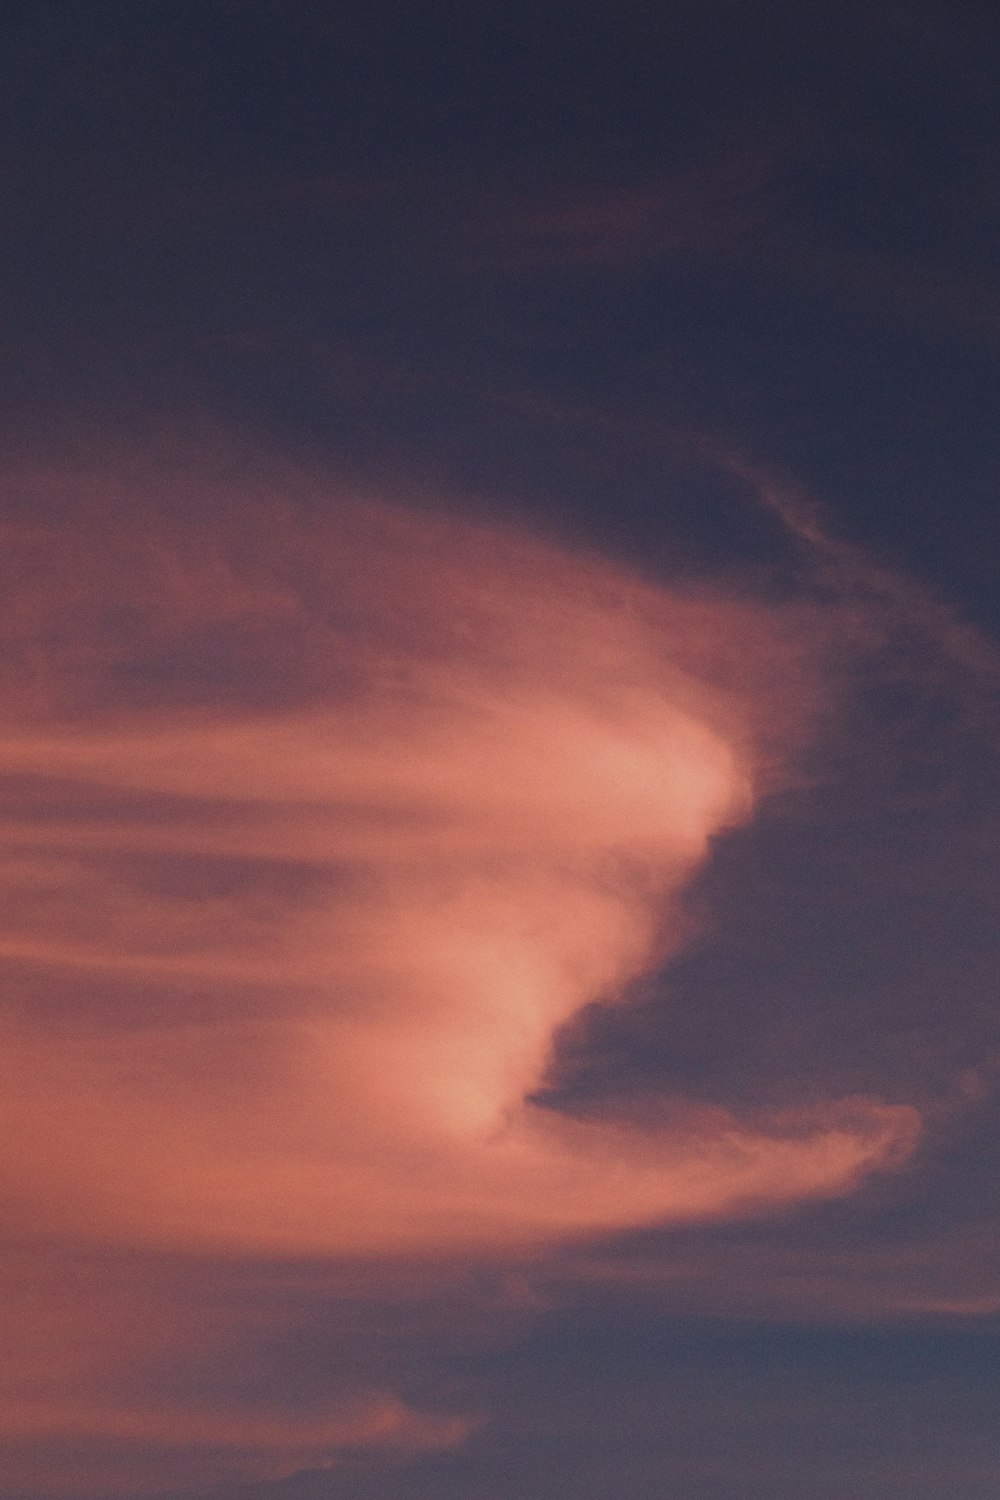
(499, 800)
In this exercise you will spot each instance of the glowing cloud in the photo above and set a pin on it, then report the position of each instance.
(317, 826)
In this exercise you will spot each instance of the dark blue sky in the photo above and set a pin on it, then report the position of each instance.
(426, 228)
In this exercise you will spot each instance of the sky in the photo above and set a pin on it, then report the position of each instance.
(499, 789)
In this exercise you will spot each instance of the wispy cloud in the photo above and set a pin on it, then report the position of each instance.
(320, 821)
(504, 762)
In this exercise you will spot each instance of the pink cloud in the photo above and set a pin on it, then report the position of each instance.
(508, 760)
(319, 822)
(77, 1448)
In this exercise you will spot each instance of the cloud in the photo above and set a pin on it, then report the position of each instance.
(155, 1448)
(498, 764)
(321, 818)
(714, 211)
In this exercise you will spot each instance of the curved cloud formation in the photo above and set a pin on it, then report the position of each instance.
(319, 822)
